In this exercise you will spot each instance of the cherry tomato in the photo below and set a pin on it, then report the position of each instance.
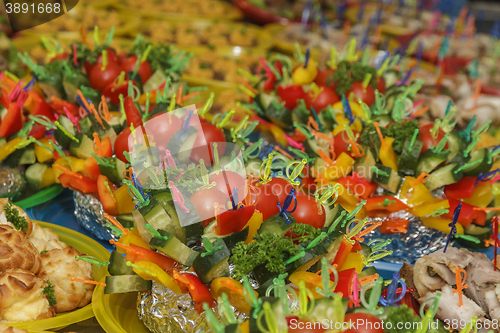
(368, 323)
(203, 202)
(162, 128)
(281, 187)
(121, 144)
(203, 145)
(381, 85)
(367, 95)
(227, 181)
(325, 78)
(307, 211)
(341, 143)
(290, 95)
(100, 79)
(427, 138)
(113, 91)
(145, 70)
(308, 185)
(303, 326)
(327, 96)
(267, 201)
(122, 57)
(111, 57)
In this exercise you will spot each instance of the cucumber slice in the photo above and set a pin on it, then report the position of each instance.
(263, 100)
(209, 267)
(126, 220)
(370, 270)
(388, 180)
(155, 81)
(232, 328)
(82, 149)
(158, 217)
(140, 222)
(429, 161)
(443, 176)
(408, 159)
(455, 145)
(85, 126)
(480, 233)
(117, 124)
(383, 120)
(313, 255)
(174, 248)
(34, 175)
(363, 166)
(3, 141)
(279, 115)
(277, 225)
(323, 309)
(232, 239)
(484, 166)
(312, 146)
(113, 169)
(62, 139)
(332, 215)
(181, 145)
(118, 265)
(253, 166)
(21, 157)
(121, 284)
(276, 306)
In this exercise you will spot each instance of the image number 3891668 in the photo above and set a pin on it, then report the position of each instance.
(26, 14)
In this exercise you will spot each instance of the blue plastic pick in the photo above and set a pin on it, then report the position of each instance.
(137, 184)
(286, 204)
(308, 55)
(81, 104)
(234, 199)
(495, 31)
(405, 80)
(486, 177)
(30, 85)
(366, 38)
(341, 8)
(391, 298)
(452, 225)
(361, 11)
(347, 110)
(185, 123)
(306, 13)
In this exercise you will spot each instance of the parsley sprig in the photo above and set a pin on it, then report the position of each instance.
(12, 216)
(50, 293)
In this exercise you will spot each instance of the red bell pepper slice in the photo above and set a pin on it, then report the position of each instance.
(463, 189)
(13, 120)
(290, 95)
(384, 204)
(141, 254)
(356, 247)
(394, 225)
(57, 156)
(467, 214)
(198, 290)
(233, 220)
(4, 98)
(341, 256)
(60, 106)
(38, 132)
(358, 185)
(345, 281)
(92, 168)
(105, 190)
(40, 107)
(133, 115)
(103, 147)
(271, 78)
(82, 183)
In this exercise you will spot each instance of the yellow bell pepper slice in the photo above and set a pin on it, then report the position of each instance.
(354, 260)
(441, 224)
(414, 194)
(311, 280)
(387, 155)
(342, 121)
(48, 178)
(341, 167)
(43, 154)
(234, 291)
(151, 271)
(245, 327)
(62, 162)
(355, 108)
(481, 197)
(253, 225)
(124, 202)
(305, 75)
(430, 206)
(77, 164)
(132, 238)
(9, 148)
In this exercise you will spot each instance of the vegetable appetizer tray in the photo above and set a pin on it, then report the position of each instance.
(84, 245)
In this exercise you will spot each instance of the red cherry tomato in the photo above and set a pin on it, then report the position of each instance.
(325, 78)
(121, 144)
(113, 91)
(227, 181)
(111, 57)
(145, 70)
(267, 201)
(203, 202)
(307, 211)
(203, 145)
(381, 85)
(427, 138)
(122, 57)
(100, 79)
(327, 96)
(281, 187)
(290, 95)
(363, 323)
(162, 128)
(341, 143)
(308, 185)
(367, 95)
(303, 326)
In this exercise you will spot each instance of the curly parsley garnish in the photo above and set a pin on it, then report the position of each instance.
(347, 73)
(399, 131)
(12, 216)
(305, 232)
(50, 293)
(43, 252)
(267, 249)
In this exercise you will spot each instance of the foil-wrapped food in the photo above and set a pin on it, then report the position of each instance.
(89, 214)
(12, 183)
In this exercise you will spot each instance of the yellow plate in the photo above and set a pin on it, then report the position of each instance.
(84, 245)
(231, 13)
(117, 313)
(263, 39)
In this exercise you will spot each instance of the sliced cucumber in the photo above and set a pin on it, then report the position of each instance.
(117, 124)
(443, 176)
(455, 145)
(208, 267)
(408, 160)
(232, 328)
(370, 270)
(156, 215)
(279, 115)
(140, 222)
(155, 81)
(118, 265)
(313, 255)
(121, 284)
(383, 120)
(263, 100)
(232, 239)
(323, 309)
(34, 175)
(113, 169)
(480, 161)
(279, 315)
(481, 233)
(62, 139)
(388, 179)
(126, 220)
(277, 225)
(21, 157)
(181, 145)
(429, 161)
(82, 149)
(312, 146)
(174, 248)
(363, 166)
(332, 215)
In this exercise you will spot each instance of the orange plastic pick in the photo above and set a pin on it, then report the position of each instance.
(379, 134)
(421, 111)
(116, 223)
(88, 281)
(66, 171)
(460, 284)
(422, 178)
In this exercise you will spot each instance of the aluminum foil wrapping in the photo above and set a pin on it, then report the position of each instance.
(163, 311)
(89, 214)
(11, 183)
